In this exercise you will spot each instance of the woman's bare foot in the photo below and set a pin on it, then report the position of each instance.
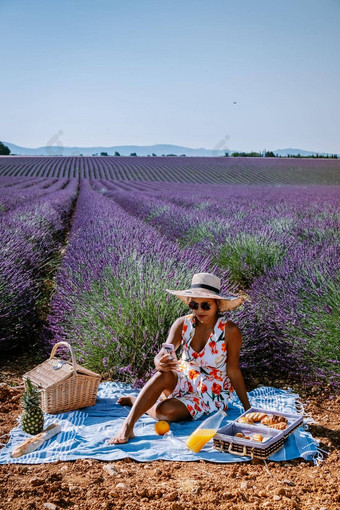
(123, 435)
(126, 401)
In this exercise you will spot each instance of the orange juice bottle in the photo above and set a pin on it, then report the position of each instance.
(205, 431)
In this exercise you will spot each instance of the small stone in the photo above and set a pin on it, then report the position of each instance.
(281, 492)
(73, 488)
(172, 496)
(244, 485)
(120, 486)
(63, 469)
(50, 506)
(158, 471)
(177, 506)
(276, 497)
(35, 482)
(324, 508)
(289, 482)
(263, 494)
(110, 469)
(98, 480)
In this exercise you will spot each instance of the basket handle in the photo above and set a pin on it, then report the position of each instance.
(73, 357)
(230, 450)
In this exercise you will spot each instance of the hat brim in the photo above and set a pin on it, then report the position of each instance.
(225, 302)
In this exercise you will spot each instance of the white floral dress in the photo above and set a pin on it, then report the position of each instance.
(203, 385)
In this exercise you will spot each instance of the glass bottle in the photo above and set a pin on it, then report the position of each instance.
(206, 430)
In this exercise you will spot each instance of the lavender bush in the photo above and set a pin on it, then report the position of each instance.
(32, 235)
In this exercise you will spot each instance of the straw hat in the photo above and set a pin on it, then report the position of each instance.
(207, 285)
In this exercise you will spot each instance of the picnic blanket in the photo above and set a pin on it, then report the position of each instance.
(85, 433)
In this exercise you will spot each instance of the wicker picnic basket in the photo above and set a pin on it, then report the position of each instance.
(64, 385)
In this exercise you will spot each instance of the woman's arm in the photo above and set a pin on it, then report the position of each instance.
(234, 343)
(162, 361)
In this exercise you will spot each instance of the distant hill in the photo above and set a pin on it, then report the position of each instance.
(124, 150)
(140, 150)
(295, 152)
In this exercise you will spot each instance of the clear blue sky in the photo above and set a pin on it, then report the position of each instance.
(109, 72)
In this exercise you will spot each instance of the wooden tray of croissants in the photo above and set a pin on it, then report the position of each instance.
(257, 433)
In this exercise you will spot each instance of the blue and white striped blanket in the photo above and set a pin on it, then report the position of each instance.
(85, 433)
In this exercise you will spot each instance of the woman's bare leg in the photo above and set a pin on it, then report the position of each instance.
(146, 402)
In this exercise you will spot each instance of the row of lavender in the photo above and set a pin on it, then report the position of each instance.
(15, 191)
(33, 222)
(278, 245)
(268, 236)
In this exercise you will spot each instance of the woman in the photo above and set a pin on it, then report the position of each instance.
(208, 371)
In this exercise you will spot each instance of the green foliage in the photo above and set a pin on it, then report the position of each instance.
(319, 324)
(203, 232)
(246, 155)
(126, 318)
(248, 256)
(157, 211)
(4, 150)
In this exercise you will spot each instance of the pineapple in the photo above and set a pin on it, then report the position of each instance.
(32, 419)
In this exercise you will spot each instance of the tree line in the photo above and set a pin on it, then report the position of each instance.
(5, 151)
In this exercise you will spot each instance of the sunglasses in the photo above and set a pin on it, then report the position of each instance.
(194, 306)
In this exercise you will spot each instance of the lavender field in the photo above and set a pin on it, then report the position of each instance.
(88, 261)
(230, 170)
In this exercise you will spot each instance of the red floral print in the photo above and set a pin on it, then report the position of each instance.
(216, 388)
(197, 355)
(216, 374)
(212, 346)
(202, 387)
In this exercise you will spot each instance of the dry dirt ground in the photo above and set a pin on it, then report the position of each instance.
(126, 484)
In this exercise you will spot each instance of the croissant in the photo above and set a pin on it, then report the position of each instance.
(272, 419)
(246, 419)
(256, 416)
(279, 426)
(239, 434)
(257, 437)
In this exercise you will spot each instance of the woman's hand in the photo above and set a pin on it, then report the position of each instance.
(164, 362)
